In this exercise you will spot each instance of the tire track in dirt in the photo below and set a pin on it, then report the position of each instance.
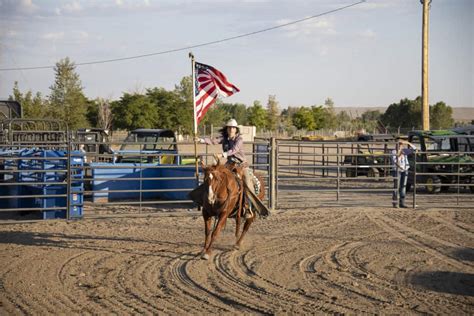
(43, 291)
(244, 272)
(312, 301)
(408, 301)
(331, 261)
(105, 268)
(191, 294)
(347, 282)
(418, 239)
(354, 281)
(129, 281)
(83, 275)
(452, 224)
(220, 281)
(245, 284)
(237, 279)
(143, 282)
(61, 276)
(314, 219)
(329, 300)
(15, 300)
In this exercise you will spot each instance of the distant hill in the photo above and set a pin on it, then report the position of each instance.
(459, 113)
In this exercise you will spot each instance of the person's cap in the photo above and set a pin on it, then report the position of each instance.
(232, 123)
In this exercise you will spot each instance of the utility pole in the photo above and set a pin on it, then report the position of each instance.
(425, 111)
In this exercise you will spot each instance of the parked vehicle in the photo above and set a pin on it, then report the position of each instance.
(372, 157)
(94, 141)
(447, 154)
(159, 146)
(10, 109)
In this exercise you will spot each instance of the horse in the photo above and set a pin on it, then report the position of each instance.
(223, 193)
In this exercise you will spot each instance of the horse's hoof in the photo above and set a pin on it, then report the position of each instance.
(205, 256)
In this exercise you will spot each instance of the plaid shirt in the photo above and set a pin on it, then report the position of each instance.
(230, 147)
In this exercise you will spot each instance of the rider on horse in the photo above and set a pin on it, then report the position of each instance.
(233, 150)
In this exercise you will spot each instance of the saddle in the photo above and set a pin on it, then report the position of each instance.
(237, 168)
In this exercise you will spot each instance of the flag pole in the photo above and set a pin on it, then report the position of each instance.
(194, 116)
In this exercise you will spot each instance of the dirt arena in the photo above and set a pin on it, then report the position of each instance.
(312, 261)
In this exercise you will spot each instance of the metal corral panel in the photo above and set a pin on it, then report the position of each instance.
(178, 183)
(52, 169)
(135, 171)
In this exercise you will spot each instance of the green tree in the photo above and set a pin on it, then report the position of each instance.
(405, 114)
(184, 108)
(273, 113)
(329, 120)
(319, 116)
(369, 120)
(238, 111)
(257, 116)
(166, 103)
(216, 116)
(371, 115)
(304, 119)
(441, 116)
(343, 120)
(67, 101)
(32, 106)
(287, 119)
(134, 111)
(92, 113)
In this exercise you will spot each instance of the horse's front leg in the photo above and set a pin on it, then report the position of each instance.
(214, 235)
(207, 231)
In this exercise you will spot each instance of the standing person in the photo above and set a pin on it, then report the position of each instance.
(233, 150)
(400, 171)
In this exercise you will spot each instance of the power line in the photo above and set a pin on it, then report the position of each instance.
(193, 46)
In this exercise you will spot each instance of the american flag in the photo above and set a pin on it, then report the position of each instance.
(209, 84)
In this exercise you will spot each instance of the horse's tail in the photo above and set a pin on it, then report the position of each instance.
(261, 192)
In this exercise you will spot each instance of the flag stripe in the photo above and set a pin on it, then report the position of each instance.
(210, 83)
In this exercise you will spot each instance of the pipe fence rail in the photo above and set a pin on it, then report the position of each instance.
(68, 176)
(57, 179)
(311, 173)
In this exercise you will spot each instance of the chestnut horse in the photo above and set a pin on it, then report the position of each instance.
(223, 193)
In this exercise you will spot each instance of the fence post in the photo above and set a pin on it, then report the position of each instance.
(414, 182)
(324, 162)
(299, 158)
(69, 182)
(459, 178)
(338, 171)
(273, 173)
(141, 179)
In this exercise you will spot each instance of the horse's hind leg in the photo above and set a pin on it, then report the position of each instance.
(247, 224)
(237, 226)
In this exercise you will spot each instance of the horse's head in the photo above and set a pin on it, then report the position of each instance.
(213, 181)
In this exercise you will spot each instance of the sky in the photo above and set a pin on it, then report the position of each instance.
(365, 55)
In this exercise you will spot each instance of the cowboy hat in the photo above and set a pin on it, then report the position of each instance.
(232, 123)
